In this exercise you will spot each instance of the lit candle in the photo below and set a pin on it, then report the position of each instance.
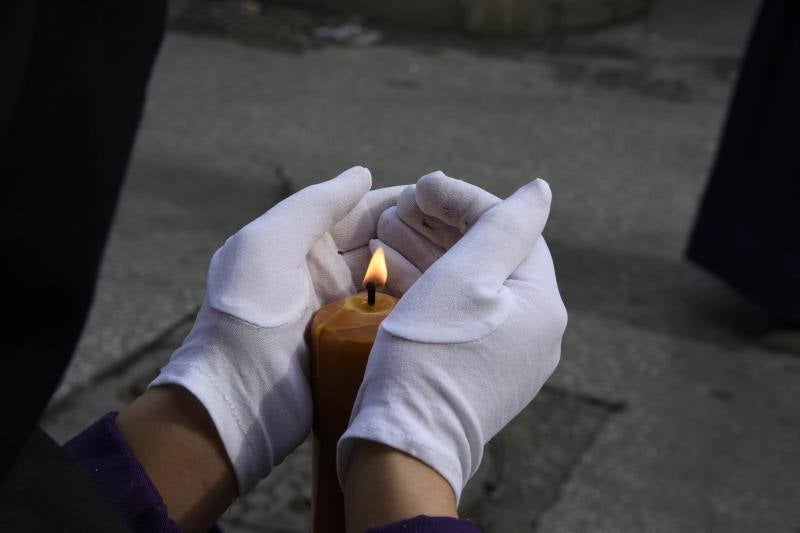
(342, 334)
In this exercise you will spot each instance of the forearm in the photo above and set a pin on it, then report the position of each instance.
(176, 442)
(105, 455)
(383, 485)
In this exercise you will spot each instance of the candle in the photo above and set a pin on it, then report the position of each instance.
(342, 334)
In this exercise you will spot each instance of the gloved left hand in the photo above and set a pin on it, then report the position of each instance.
(475, 337)
(246, 359)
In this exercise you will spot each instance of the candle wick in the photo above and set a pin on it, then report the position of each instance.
(371, 293)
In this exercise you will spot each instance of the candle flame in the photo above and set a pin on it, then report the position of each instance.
(376, 271)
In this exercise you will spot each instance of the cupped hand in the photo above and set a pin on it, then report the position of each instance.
(246, 359)
(477, 332)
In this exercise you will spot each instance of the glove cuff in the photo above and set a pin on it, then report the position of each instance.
(405, 403)
(248, 448)
(378, 427)
(252, 398)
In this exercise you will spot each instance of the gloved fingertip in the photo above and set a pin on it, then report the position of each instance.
(436, 174)
(536, 195)
(455, 202)
(437, 194)
(360, 175)
(540, 189)
(432, 181)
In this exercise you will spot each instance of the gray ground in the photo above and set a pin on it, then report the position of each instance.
(667, 413)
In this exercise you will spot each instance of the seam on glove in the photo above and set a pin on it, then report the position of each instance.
(438, 343)
(387, 323)
(308, 290)
(249, 324)
(227, 400)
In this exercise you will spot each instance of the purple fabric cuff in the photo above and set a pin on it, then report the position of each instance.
(102, 451)
(428, 524)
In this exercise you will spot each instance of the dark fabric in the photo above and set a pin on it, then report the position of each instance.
(747, 228)
(46, 491)
(16, 37)
(428, 524)
(103, 453)
(74, 78)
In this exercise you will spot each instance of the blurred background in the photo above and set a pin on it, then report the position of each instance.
(675, 406)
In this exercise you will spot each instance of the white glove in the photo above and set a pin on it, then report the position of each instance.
(474, 338)
(414, 239)
(245, 359)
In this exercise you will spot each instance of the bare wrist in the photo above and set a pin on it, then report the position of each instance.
(384, 485)
(176, 442)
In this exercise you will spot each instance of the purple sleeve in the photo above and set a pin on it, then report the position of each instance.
(428, 524)
(102, 451)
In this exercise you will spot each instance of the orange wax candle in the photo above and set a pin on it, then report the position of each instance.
(341, 337)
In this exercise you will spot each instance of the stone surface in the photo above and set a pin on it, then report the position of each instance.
(115, 387)
(707, 441)
(675, 406)
(622, 122)
(531, 18)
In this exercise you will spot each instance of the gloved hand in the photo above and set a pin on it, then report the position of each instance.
(413, 237)
(476, 335)
(246, 359)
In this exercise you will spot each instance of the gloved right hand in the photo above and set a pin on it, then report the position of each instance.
(476, 335)
(246, 359)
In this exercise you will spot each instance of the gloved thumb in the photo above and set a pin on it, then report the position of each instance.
(502, 237)
(266, 254)
(309, 213)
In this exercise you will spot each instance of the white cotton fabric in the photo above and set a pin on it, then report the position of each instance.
(245, 359)
(476, 335)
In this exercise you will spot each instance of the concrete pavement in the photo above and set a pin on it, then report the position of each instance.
(667, 413)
